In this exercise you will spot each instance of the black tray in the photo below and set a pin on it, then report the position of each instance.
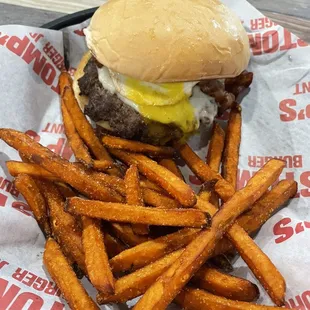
(70, 19)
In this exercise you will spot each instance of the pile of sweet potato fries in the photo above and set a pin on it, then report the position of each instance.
(123, 216)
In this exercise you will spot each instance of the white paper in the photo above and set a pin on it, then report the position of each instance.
(276, 123)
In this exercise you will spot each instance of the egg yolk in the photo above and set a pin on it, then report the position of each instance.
(165, 103)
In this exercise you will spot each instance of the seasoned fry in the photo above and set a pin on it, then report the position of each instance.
(65, 81)
(167, 286)
(260, 264)
(204, 173)
(66, 171)
(148, 252)
(125, 233)
(195, 299)
(65, 190)
(228, 286)
(261, 211)
(102, 165)
(161, 176)
(157, 200)
(64, 226)
(78, 147)
(28, 188)
(171, 165)
(96, 258)
(16, 167)
(216, 147)
(232, 145)
(118, 212)
(113, 245)
(136, 283)
(65, 278)
(137, 147)
(145, 183)
(134, 196)
(82, 125)
(214, 156)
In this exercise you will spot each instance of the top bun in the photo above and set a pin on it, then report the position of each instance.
(169, 41)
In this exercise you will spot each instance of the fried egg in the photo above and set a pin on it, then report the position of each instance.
(182, 104)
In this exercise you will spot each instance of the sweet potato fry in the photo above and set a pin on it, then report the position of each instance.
(204, 172)
(77, 145)
(137, 147)
(65, 278)
(261, 211)
(232, 145)
(65, 81)
(113, 245)
(82, 125)
(66, 171)
(118, 212)
(214, 156)
(96, 258)
(125, 233)
(28, 188)
(171, 165)
(195, 299)
(216, 147)
(65, 190)
(134, 196)
(225, 285)
(145, 183)
(16, 167)
(260, 264)
(136, 283)
(157, 200)
(64, 226)
(102, 165)
(149, 251)
(167, 286)
(161, 176)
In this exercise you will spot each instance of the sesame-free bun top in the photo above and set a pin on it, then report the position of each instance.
(168, 41)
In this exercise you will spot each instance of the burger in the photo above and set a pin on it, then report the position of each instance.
(156, 70)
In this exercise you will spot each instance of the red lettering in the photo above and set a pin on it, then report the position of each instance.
(56, 148)
(284, 106)
(22, 207)
(3, 199)
(57, 128)
(48, 74)
(40, 284)
(299, 228)
(297, 90)
(17, 45)
(36, 302)
(14, 192)
(51, 288)
(36, 36)
(3, 39)
(19, 274)
(34, 54)
(305, 181)
(56, 89)
(7, 297)
(79, 32)
(7, 184)
(284, 232)
(270, 41)
(297, 161)
(29, 279)
(32, 134)
(288, 161)
(243, 177)
(256, 43)
(306, 298)
(287, 41)
(302, 43)
(3, 263)
(46, 129)
(252, 161)
(254, 24)
(296, 306)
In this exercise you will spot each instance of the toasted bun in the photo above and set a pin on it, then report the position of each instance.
(82, 100)
(168, 41)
